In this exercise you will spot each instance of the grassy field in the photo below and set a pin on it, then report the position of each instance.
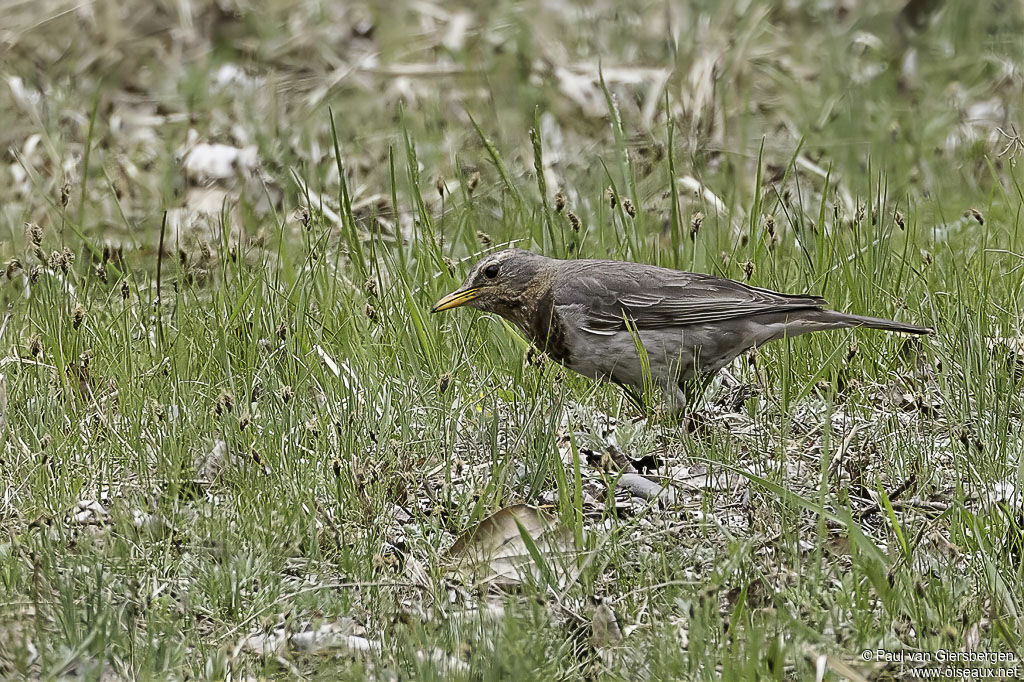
(235, 443)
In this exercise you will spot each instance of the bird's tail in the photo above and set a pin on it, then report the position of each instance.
(845, 320)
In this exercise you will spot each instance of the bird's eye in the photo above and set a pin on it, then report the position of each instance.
(491, 271)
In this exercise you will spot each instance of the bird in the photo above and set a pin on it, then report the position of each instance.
(629, 322)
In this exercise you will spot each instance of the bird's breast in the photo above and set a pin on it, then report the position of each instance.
(546, 329)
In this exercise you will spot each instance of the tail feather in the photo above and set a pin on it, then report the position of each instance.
(847, 320)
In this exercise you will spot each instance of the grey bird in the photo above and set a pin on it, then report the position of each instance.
(602, 317)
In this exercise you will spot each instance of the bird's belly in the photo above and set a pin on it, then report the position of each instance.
(614, 356)
(674, 356)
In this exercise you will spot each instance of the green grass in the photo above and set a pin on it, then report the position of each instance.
(847, 505)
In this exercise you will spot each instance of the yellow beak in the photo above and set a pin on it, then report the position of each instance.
(455, 299)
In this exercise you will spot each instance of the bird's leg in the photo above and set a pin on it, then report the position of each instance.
(737, 393)
(684, 399)
(686, 418)
(678, 401)
(634, 396)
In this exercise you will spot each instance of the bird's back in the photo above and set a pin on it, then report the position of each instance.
(614, 293)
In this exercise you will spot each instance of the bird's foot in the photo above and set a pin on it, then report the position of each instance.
(698, 425)
(736, 396)
(688, 419)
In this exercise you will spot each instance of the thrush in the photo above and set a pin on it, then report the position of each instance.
(608, 320)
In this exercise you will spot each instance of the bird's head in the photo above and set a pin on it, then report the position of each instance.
(498, 283)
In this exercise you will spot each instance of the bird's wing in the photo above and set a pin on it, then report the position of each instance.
(647, 297)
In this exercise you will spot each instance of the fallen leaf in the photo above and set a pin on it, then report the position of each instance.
(497, 550)
(644, 488)
(87, 512)
(604, 627)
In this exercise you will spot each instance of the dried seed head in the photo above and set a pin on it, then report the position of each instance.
(473, 181)
(67, 259)
(450, 264)
(282, 330)
(84, 357)
(610, 194)
(748, 270)
(33, 275)
(34, 234)
(77, 315)
(35, 346)
(773, 243)
(286, 393)
(574, 221)
(258, 459)
(444, 381)
(769, 224)
(976, 214)
(926, 257)
(305, 219)
(159, 413)
(536, 357)
(559, 201)
(370, 312)
(629, 208)
(370, 287)
(898, 217)
(45, 441)
(65, 193)
(859, 216)
(225, 403)
(124, 290)
(695, 223)
(387, 562)
(312, 427)
(13, 266)
(439, 186)
(55, 260)
(101, 272)
(483, 237)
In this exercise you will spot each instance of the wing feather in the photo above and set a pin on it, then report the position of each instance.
(648, 297)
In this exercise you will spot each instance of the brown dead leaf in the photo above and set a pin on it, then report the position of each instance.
(494, 551)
